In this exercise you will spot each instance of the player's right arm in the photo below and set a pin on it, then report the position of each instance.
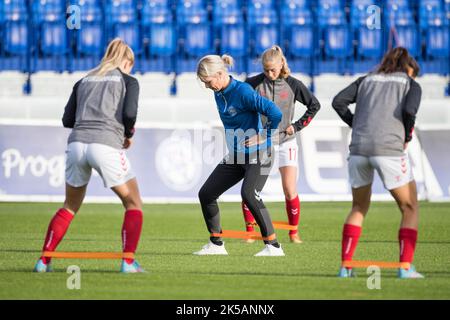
(345, 98)
(70, 110)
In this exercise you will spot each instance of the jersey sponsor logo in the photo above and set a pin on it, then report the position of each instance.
(382, 78)
(101, 79)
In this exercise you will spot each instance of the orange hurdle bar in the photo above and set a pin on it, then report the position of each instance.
(88, 255)
(380, 264)
(283, 225)
(238, 235)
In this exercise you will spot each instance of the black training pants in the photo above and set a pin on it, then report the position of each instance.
(226, 175)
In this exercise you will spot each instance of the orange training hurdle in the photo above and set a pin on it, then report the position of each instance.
(283, 225)
(88, 255)
(380, 264)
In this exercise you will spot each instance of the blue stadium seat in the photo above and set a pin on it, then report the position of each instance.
(194, 28)
(330, 12)
(122, 22)
(358, 12)
(233, 40)
(338, 41)
(229, 30)
(432, 13)
(156, 11)
(296, 12)
(197, 40)
(261, 12)
(262, 23)
(90, 40)
(265, 37)
(50, 35)
(298, 29)
(130, 34)
(397, 4)
(121, 11)
(158, 23)
(48, 10)
(54, 39)
(335, 30)
(408, 37)
(227, 12)
(15, 10)
(162, 40)
(91, 11)
(14, 32)
(401, 26)
(301, 41)
(191, 11)
(370, 43)
(437, 42)
(16, 37)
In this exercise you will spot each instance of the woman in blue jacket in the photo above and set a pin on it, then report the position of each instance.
(249, 146)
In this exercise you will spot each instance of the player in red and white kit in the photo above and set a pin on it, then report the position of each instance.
(387, 102)
(101, 111)
(276, 84)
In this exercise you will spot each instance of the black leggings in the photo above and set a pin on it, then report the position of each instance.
(223, 178)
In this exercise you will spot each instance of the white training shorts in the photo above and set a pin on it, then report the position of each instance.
(287, 154)
(110, 163)
(393, 171)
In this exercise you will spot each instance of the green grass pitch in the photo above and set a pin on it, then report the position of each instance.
(172, 232)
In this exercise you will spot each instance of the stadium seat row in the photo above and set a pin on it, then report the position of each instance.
(168, 35)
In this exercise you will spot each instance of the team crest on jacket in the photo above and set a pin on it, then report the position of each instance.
(284, 95)
(232, 111)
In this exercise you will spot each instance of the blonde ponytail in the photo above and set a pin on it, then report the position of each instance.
(116, 52)
(273, 53)
(211, 64)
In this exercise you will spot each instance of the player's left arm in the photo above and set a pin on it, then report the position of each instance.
(251, 100)
(410, 108)
(304, 96)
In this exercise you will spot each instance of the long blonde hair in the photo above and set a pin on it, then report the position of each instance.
(273, 53)
(116, 52)
(211, 64)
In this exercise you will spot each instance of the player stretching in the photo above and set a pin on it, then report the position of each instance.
(102, 111)
(277, 85)
(239, 107)
(386, 106)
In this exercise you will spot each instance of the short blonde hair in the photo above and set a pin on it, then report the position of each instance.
(275, 52)
(211, 64)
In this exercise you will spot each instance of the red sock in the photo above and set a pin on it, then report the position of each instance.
(407, 239)
(293, 212)
(248, 217)
(56, 231)
(350, 237)
(131, 231)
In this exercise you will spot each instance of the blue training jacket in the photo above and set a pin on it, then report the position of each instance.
(239, 108)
